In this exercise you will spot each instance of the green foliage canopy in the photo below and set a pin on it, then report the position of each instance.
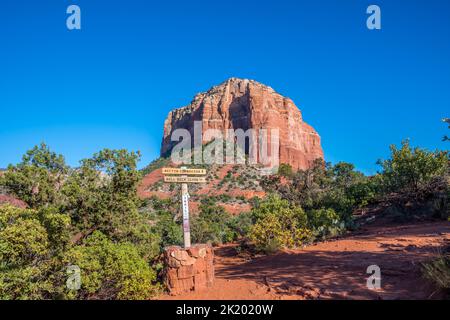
(409, 168)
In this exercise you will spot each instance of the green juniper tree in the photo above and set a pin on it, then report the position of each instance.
(38, 178)
(87, 217)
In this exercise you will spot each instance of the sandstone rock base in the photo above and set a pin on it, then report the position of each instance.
(188, 270)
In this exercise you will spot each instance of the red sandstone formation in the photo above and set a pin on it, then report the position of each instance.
(247, 104)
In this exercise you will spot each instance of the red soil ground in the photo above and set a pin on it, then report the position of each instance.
(211, 188)
(6, 199)
(335, 269)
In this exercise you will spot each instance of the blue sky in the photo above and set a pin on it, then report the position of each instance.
(112, 83)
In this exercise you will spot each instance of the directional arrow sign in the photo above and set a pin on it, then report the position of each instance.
(184, 179)
(185, 172)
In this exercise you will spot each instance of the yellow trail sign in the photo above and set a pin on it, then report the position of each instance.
(184, 172)
(184, 179)
(184, 175)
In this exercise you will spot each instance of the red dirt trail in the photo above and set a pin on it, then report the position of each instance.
(334, 269)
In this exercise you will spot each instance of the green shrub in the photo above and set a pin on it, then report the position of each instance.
(168, 228)
(276, 231)
(410, 169)
(275, 204)
(70, 204)
(278, 224)
(37, 179)
(344, 189)
(241, 224)
(339, 187)
(325, 222)
(102, 193)
(22, 237)
(285, 170)
(322, 217)
(364, 191)
(212, 225)
(30, 242)
(111, 270)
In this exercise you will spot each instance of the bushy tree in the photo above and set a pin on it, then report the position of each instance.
(339, 187)
(212, 224)
(167, 220)
(38, 178)
(102, 195)
(31, 247)
(309, 186)
(322, 217)
(278, 224)
(325, 223)
(241, 224)
(111, 270)
(67, 207)
(364, 191)
(33, 264)
(102, 192)
(409, 169)
(285, 170)
(169, 229)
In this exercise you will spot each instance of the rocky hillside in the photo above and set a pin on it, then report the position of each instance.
(247, 104)
(235, 104)
(232, 186)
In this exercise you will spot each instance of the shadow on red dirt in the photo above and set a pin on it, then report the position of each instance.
(334, 269)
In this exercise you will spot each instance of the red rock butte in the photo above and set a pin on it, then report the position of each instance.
(247, 104)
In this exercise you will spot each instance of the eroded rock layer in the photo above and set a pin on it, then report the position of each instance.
(247, 104)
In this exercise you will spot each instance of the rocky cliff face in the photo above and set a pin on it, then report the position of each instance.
(245, 104)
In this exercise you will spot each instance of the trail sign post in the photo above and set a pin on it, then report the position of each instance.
(184, 171)
(185, 179)
(184, 176)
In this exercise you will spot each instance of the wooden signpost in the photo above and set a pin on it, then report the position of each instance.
(184, 176)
